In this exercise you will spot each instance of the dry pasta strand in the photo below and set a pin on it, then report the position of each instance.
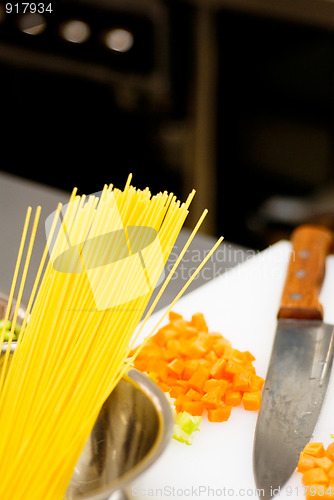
(106, 254)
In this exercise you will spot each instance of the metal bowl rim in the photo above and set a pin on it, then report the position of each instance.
(165, 415)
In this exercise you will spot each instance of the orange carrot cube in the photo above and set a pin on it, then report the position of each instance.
(315, 449)
(195, 408)
(330, 451)
(232, 398)
(198, 321)
(172, 316)
(198, 379)
(219, 347)
(256, 383)
(212, 383)
(195, 349)
(220, 414)
(232, 367)
(176, 390)
(213, 398)
(176, 367)
(194, 395)
(314, 476)
(218, 368)
(305, 462)
(163, 386)
(251, 401)
(330, 473)
(242, 381)
(323, 462)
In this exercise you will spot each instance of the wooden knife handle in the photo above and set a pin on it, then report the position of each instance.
(306, 272)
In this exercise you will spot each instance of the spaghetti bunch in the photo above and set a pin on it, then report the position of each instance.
(102, 261)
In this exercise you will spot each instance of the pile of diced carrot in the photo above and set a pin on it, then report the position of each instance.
(200, 369)
(317, 467)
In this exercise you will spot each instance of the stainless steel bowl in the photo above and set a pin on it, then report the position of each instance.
(133, 428)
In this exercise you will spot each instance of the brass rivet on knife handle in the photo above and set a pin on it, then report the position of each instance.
(305, 274)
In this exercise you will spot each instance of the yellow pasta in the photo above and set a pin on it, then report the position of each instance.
(106, 256)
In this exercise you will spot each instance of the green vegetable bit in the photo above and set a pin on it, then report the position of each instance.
(182, 436)
(8, 327)
(8, 324)
(185, 425)
(188, 423)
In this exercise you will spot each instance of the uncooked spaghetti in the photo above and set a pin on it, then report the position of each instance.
(103, 258)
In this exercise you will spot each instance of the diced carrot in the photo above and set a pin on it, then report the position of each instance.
(211, 357)
(172, 350)
(176, 390)
(315, 449)
(218, 368)
(204, 364)
(157, 366)
(176, 367)
(314, 476)
(305, 462)
(195, 408)
(207, 340)
(172, 316)
(229, 352)
(242, 381)
(200, 369)
(330, 451)
(213, 398)
(183, 383)
(330, 473)
(198, 379)
(232, 367)
(219, 347)
(220, 414)
(249, 356)
(179, 402)
(148, 351)
(232, 398)
(323, 462)
(196, 349)
(238, 356)
(163, 386)
(217, 335)
(140, 364)
(256, 383)
(251, 401)
(212, 383)
(190, 367)
(179, 324)
(198, 321)
(194, 395)
(171, 381)
(189, 332)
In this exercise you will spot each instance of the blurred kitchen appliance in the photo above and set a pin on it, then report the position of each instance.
(90, 92)
(275, 125)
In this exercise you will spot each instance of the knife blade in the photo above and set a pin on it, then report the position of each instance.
(299, 367)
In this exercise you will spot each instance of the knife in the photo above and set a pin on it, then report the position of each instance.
(299, 367)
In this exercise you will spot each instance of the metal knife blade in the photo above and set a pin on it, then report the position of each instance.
(299, 367)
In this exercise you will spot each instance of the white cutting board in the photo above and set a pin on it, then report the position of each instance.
(241, 304)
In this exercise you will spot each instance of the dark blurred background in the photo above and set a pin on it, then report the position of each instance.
(235, 99)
